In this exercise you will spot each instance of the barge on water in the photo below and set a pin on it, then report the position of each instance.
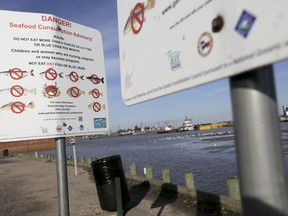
(209, 126)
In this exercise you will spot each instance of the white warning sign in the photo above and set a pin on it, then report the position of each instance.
(52, 77)
(168, 46)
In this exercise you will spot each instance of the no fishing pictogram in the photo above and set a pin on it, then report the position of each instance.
(73, 76)
(136, 20)
(74, 92)
(96, 106)
(17, 107)
(17, 91)
(95, 93)
(16, 73)
(50, 74)
(95, 79)
(51, 91)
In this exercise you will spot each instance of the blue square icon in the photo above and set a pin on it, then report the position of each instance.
(100, 123)
(245, 23)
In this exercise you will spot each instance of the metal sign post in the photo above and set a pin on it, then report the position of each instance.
(57, 115)
(62, 180)
(237, 42)
(73, 142)
(258, 143)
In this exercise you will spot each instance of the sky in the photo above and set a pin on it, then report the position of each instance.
(206, 103)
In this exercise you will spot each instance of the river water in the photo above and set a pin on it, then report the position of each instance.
(210, 155)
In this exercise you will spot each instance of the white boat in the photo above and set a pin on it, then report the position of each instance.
(284, 117)
(187, 125)
(167, 129)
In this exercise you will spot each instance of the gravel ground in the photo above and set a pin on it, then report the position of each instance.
(29, 187)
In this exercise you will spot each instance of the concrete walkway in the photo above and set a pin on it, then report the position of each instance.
(29, 187)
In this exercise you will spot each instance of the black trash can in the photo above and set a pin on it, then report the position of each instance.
(105, 171)
(5, 153)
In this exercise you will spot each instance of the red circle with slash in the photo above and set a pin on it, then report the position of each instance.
(16, 73)
(17, 91)
(73, 76)
(17, 107)
(52, 91)
(50, 74)
(96, 93)
(95, 79)
(135, 19)
(96, 106)
(74, 92)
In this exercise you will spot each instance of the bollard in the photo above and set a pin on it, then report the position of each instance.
(189, 180)
(133, 169)
(148, 170)
(5, 152)
(83, 160)
(89, 160)
(166, 175)
(124, 166)
(233, 187)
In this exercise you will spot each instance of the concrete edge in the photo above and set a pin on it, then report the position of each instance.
(202, 197)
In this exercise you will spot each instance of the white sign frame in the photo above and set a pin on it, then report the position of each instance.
(57, 85)
(168, 46)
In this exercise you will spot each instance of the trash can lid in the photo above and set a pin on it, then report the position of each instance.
(105, 160)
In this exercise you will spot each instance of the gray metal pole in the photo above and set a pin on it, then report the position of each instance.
(118, 196)
(63, 198)
(75, 159)
(258, 143)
